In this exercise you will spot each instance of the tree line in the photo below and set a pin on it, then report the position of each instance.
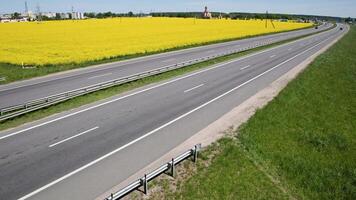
(233, 15)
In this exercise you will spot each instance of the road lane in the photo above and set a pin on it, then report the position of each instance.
(26, 164)
(21, 92)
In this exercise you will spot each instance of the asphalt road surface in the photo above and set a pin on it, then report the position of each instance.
(21, 92)
(82, 153)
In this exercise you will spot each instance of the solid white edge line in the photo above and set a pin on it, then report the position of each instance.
(74, 136)
(114, 100)
(159, 85)
(193, 88)
(139, 59)
(163, 126)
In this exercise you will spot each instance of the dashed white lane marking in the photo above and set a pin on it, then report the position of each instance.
(145, 90)
(272, 56)
(191, 89)
(98, 76)
(161, 127)
(82, 133)
(290, 49)
(245, 67)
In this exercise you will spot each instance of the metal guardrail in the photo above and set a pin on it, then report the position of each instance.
(17, 110)
(168, 168)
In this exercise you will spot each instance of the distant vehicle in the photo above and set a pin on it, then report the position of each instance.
(316, 27)
(341, 28)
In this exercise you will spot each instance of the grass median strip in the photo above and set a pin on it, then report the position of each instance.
(102, 94)
(300, 146)
(13, 72)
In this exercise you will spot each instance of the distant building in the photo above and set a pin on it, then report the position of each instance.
(206, 13)
(77, 15)
(6, 18)
(49, 15)
(29, 16)
(64, 15)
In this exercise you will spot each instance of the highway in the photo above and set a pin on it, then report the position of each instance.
(82, 153)
(25, 91)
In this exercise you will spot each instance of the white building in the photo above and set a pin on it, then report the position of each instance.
(64, 15)
(6, 18)
(77, 15)
(49, 14)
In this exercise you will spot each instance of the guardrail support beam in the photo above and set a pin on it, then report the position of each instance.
(195, 152)
(172, 168)
(145, 184)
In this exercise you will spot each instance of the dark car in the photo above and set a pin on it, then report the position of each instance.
(316, 27)
(341, 28)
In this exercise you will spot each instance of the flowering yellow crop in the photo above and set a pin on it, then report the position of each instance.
(59, 42)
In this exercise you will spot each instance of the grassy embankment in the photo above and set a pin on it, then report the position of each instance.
(302, 145)
(13, 72)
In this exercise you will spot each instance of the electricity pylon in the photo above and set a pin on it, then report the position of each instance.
(39, 14)
(270, 20)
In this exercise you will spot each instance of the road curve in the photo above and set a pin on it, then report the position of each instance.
(82, 153)
(21, 92)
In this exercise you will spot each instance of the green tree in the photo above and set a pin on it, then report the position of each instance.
(16, 15)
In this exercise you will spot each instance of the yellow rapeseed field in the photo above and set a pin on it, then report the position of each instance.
(60, 42)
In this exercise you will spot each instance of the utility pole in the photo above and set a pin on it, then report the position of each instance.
(72, 12)
(26, 9)
(39, 14)
(267, 18)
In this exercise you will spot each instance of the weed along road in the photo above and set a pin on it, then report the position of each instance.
(22, 92)
(95, 147)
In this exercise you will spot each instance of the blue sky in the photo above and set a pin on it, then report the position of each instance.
(343, 8)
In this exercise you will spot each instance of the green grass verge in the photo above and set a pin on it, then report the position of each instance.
(302, 145)
(232, 175)
(15, 72)
(102, 94)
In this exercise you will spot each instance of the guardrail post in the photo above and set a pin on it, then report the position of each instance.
(195, 152)
(172, 168)
(145, 185)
